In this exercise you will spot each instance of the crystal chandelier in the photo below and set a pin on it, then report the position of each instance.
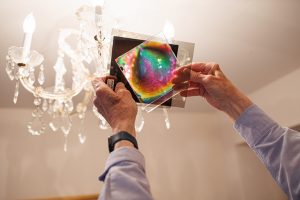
(25, 67)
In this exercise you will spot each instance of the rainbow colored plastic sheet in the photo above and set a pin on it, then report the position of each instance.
(148, 69)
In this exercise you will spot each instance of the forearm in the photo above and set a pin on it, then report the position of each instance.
(278, 148)
(236, 103)
(124, 176)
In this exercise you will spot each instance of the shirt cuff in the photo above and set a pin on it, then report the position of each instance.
(123, 154)
(254, 125)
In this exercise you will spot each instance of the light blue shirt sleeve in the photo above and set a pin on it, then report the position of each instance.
(277, 147)
(124, 176)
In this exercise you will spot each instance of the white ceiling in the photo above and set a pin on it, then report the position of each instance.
(255, 41)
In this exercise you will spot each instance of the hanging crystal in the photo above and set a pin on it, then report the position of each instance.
(139, 123)
(36, 126)
(16, 94)
(37, 101)
(103, 124)
(41, 77)
(45, 105)
(167, 120)
(81, 135)
(66, 124)
(50, 107)
(31, 77)
(69, 106)
(9, 70)
(66, 143)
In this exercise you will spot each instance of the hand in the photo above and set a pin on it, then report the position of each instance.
(208, 80)
(117, 107)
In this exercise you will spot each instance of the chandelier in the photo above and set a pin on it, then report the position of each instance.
(93, 43)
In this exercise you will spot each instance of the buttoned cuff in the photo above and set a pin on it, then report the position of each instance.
(254, 125)
(123, 154)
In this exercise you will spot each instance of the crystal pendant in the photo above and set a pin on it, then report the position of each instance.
(9, 71)
(167, 121)
(139, 123)
(81, 135)
(45, 105)
(55, 123)
(69, 106)
(41, 77)
(37, 101)
(103, 124)
(36, 126)
(82, 138)
(66, 143)
(66, 124)
(16, 94)
(31, 78)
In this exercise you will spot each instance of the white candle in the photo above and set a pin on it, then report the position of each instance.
(28, 28)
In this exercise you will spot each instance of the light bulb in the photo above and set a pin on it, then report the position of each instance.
(29, 24)
(169, 30)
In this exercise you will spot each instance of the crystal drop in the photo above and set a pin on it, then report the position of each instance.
(66, 125)
(82, 138)
(50, 108)
(103, 125)
(41, 78)
(65, 147)
(139, 124)
(37, 101)
(79, 107)
(53, 127)
(9, 71)
(45, 105)
(16, 94)
(69, 105)
(36, 126)
(167, 121)
(31, 78)
(66, 143)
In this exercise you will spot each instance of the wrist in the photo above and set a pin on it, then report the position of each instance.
(237, 104)
(128, 127)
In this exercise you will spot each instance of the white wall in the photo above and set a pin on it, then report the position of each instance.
(281, 98)
(196, 159)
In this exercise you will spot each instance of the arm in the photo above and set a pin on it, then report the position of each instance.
(277, 147)
(124, 176)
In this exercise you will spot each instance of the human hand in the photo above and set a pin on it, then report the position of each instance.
(208, 80)
(117, 107)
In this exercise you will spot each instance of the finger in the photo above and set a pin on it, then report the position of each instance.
(190, 92)
(200, 91)
(185, 85)
(119, 86)
(198, 77)
(183, 76)
(181, 86)
(213, 68)
(104, 92)
(96, 82)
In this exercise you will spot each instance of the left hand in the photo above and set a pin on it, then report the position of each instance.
(117, 107)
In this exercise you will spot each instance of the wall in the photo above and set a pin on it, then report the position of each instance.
(281, 98)
(196, 159)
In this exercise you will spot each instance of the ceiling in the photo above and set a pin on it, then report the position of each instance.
(254, 41)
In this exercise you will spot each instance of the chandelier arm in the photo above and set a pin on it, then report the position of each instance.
(40, 92)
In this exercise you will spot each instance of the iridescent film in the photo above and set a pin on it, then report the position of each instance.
(148, 69)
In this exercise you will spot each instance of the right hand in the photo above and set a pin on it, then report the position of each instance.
(208, 80)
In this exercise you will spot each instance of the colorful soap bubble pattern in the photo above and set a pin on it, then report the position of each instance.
(148, 69)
